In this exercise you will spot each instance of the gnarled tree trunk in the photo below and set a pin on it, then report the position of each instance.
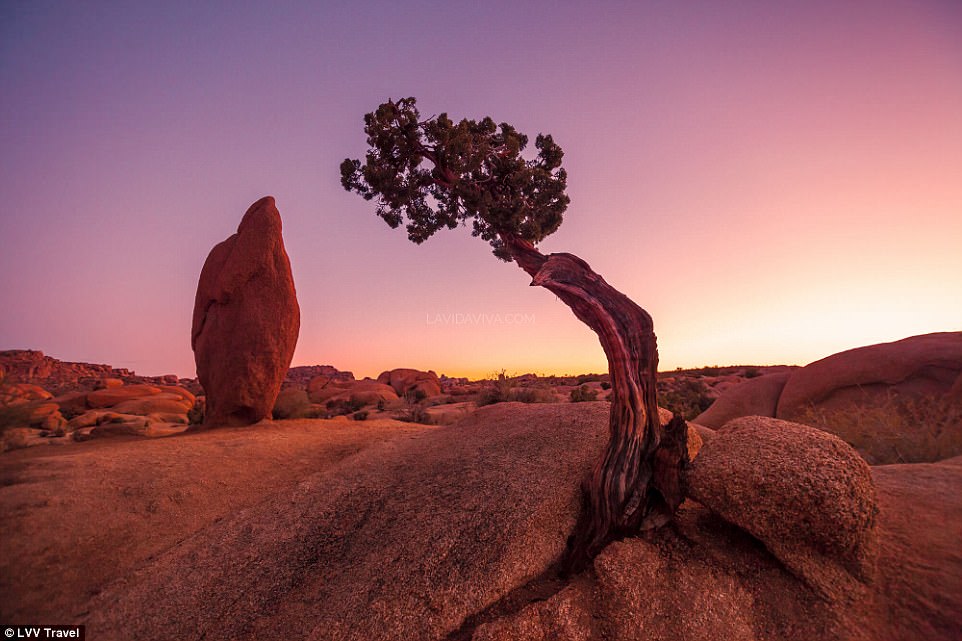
(635, 485)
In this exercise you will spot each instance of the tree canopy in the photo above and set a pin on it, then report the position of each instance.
(475, 171)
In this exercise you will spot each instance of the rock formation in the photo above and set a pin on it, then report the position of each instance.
(927, 364)
(59, 377)
(246, 320)
(411, 381)
(304, 374)
(894, 402)
(804, 493)
(754, 397)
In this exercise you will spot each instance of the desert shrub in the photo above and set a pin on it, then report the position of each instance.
(195, 415)
(498, 391)
(14, 416)
(605, 385)
(582, 394)
(503, 389)
(341, 406)
(359, 416)
(897, 429)
(588, 378)
(414, 414)
(415, 396)
(685, 396)
(752, 372)
(291, 403)
(532, 395)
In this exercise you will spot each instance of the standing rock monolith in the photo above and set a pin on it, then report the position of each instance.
(246, 320)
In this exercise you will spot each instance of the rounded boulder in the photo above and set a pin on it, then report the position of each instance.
(804, 493)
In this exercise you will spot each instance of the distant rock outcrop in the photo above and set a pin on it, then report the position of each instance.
(246, 320)
(894, 402)
(60, 377)
(928, 364)
(323, 389)
(411, 381)
(304, 374)
(754, 397)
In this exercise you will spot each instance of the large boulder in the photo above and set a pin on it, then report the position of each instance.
(246, 320)
(367, 392)
(916, 366)
(110, 396)
(321, 388)
(411, 381)
(157, 404)
(804, 493)
(754, 397)
(445, 540)
(17, 393)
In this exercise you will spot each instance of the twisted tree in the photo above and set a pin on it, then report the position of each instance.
(435, 173)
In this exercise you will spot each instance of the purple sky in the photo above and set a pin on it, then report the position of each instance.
(773, 182)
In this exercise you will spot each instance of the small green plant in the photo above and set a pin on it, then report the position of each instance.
(582, 394)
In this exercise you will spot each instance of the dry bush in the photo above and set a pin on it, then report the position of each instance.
(687, 397)
(291, 403)
(415, 413)
(583, 394)
(14, 416)
(898, 429)
(503, 389)
(341, 406)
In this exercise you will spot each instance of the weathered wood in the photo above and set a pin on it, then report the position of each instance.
(635, 485)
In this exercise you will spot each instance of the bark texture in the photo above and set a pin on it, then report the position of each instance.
(636, 483)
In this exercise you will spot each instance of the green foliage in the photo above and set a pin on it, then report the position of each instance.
(582, 394)
(686, 396)
(474, 171)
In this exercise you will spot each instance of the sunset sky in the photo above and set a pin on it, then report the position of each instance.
(772, 181)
